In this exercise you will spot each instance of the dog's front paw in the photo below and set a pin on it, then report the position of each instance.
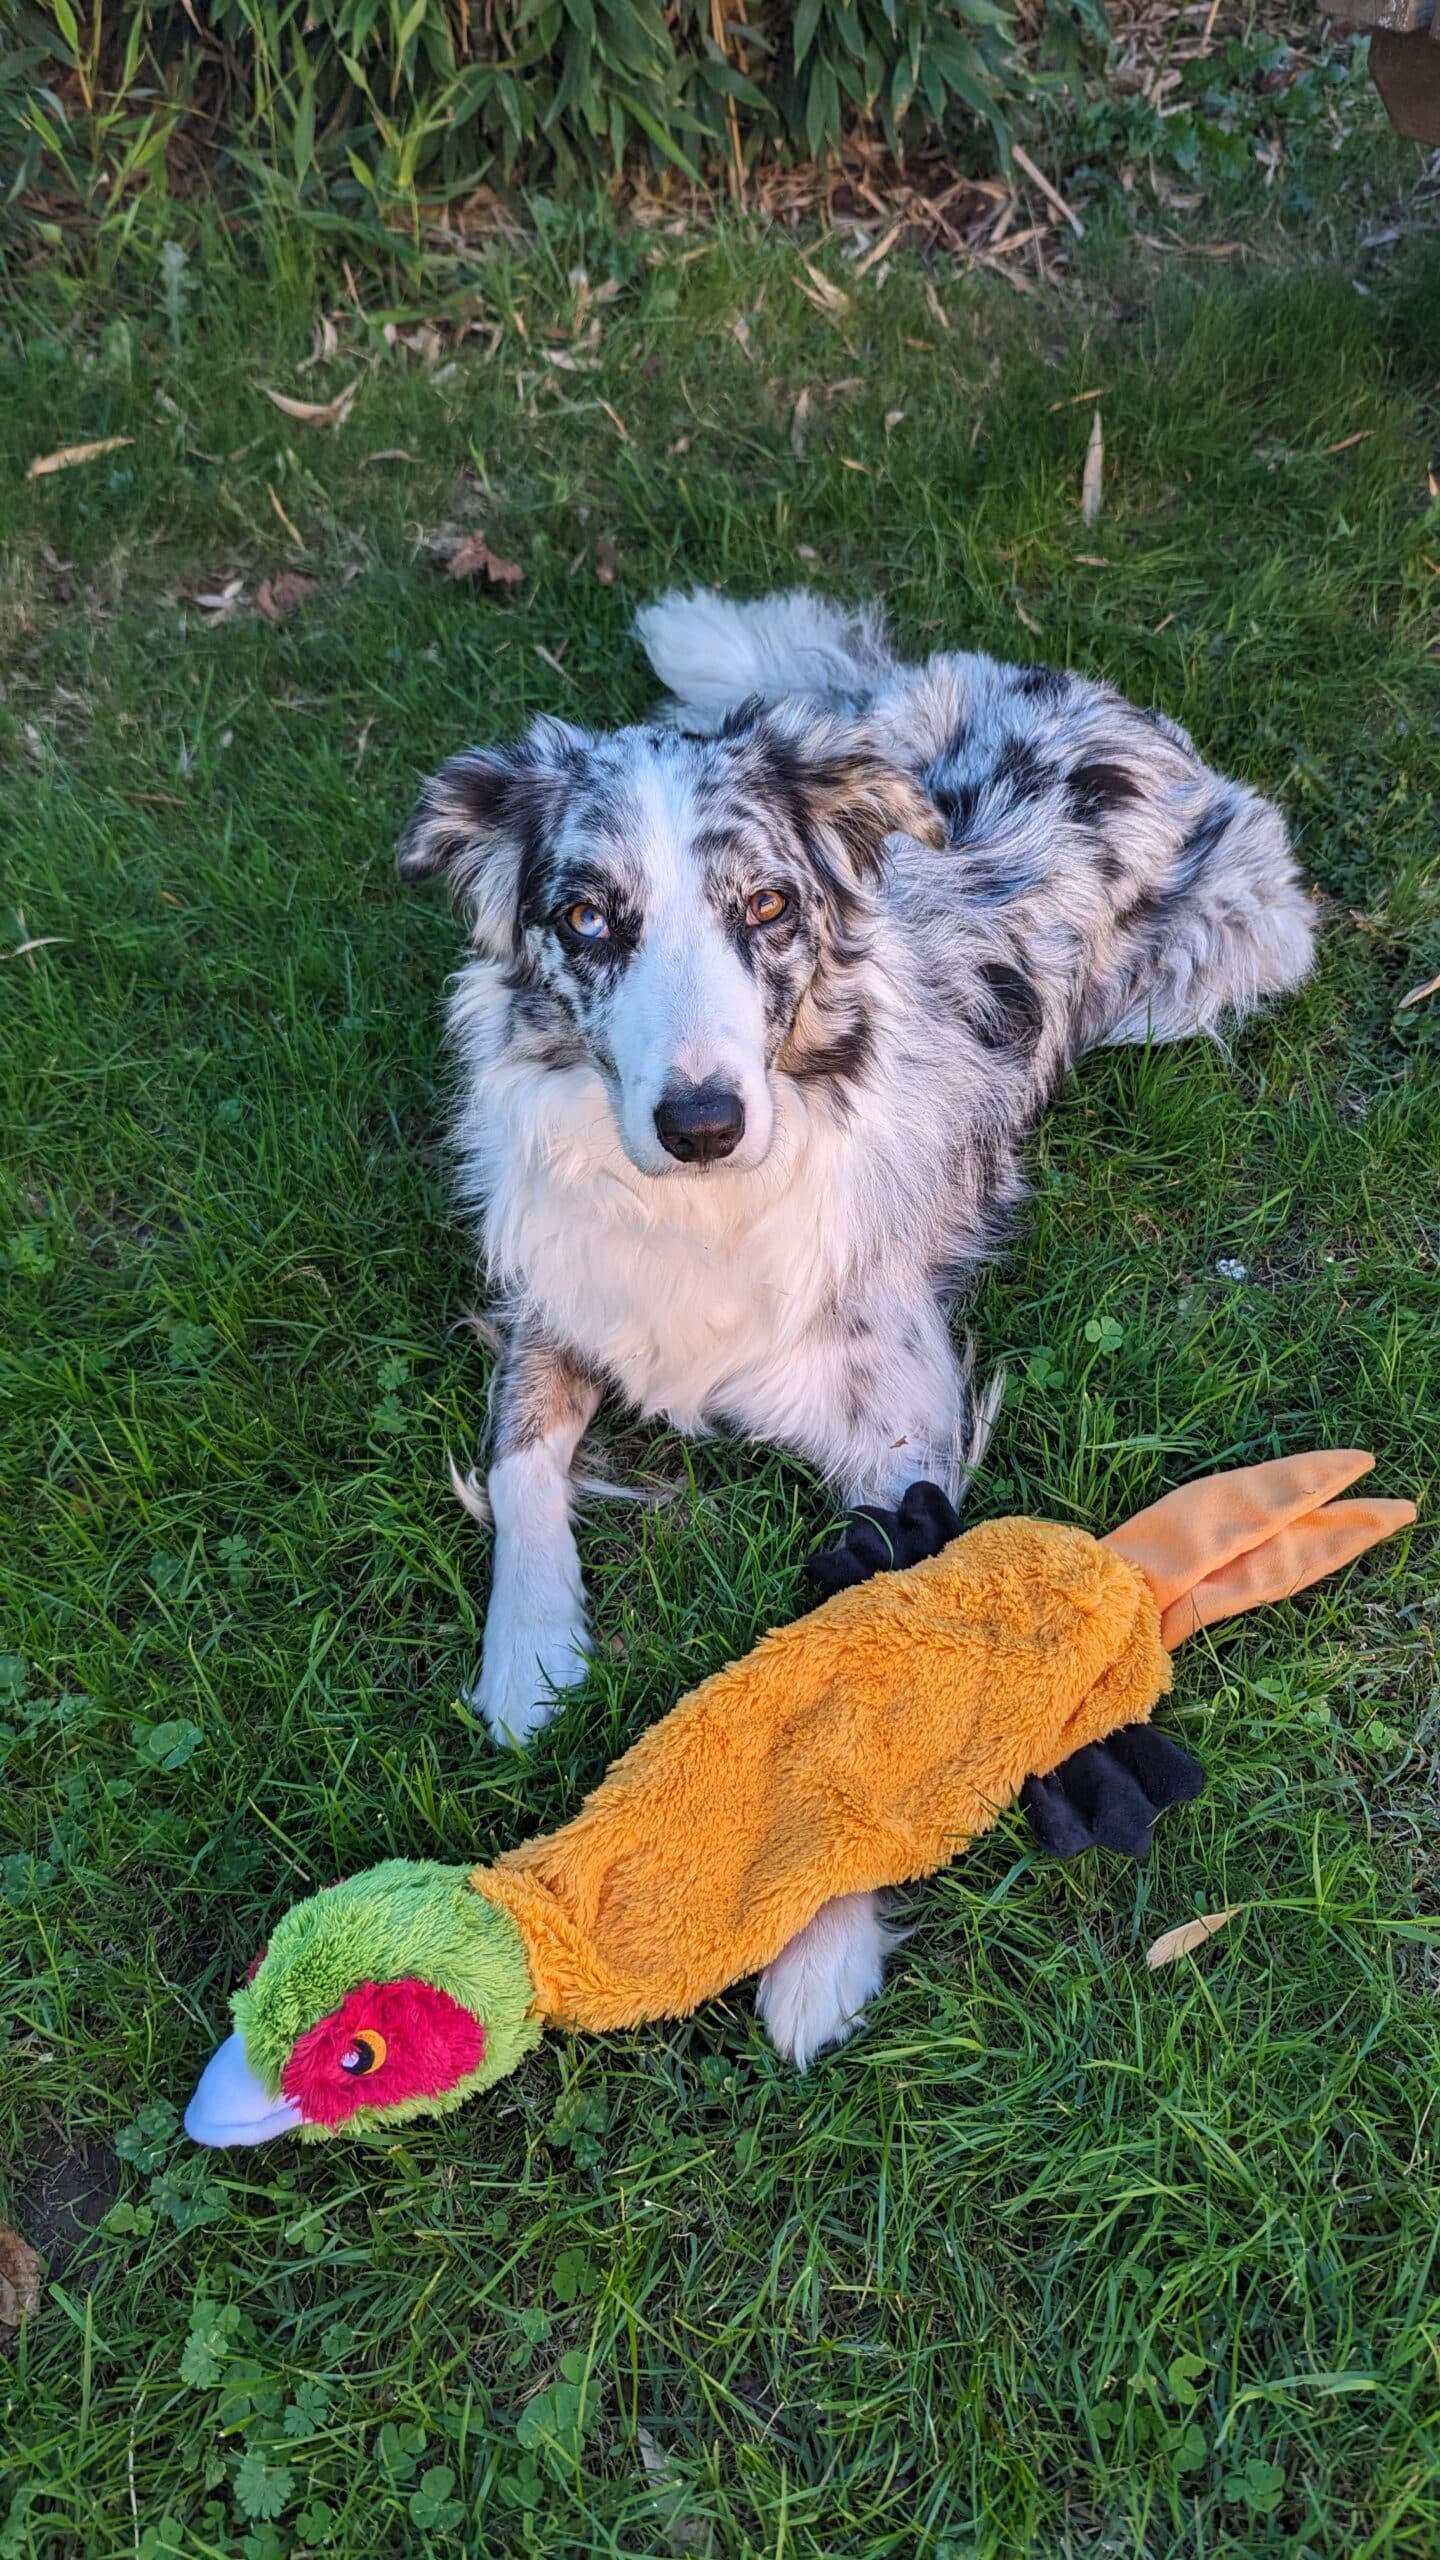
(525, 1667)
(814, 1992)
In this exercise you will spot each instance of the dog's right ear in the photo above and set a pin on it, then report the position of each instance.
(484, 820)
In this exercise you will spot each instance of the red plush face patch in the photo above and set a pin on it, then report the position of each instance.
(387, 2041)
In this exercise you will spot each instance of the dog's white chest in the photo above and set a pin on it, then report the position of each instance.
(687, 1291)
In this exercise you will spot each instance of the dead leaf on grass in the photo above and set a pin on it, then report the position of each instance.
(20, 2274)
(873, 256)
(607, 560)
(690, 2537)
(387, 453)
(70, 454)
(316, 413)
(1092, 482)
(826, 296)
(424, 341)
(472, 557)
(279, 599)
(325, 344)
(1417, 994)
(1191, 1934)
(798, 416)
(1050, 193)
(292, 529)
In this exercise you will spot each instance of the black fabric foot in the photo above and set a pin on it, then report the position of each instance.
(878, 1541)
(1111, 1794)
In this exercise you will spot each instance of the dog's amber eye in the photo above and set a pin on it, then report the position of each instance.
(589, 922)
(365, 2052)
(766, 907)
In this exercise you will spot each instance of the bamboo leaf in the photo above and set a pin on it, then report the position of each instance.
(1183, 1941)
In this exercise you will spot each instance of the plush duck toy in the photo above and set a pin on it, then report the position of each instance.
(861, 1747)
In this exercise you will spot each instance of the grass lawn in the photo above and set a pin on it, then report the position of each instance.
(1057, 2256)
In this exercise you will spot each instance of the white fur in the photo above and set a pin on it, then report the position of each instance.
(818, 1986)
(536, 1642)
(712, 653)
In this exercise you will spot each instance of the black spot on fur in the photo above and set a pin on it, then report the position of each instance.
(1156, 904)
(1022, 766)
(1013, 1017)
(1150, 908)
(1096, 790)
(1202, 843)
(986, 876)
(1041, 684)
(741, 718)
(841, 1059)
(957, 803)
(859, 1399)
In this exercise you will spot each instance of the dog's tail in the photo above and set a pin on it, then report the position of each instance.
(713, 654)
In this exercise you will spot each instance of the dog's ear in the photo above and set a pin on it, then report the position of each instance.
(485, 817)
(845, 795)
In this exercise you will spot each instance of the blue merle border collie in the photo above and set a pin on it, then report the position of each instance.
(763, 998)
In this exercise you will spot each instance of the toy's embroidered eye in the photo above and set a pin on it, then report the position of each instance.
(365, 2054)
(588, 922)
(766, 907)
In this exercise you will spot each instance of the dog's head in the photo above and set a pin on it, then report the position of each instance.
(681, 911)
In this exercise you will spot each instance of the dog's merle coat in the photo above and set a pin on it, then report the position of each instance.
(858, 919)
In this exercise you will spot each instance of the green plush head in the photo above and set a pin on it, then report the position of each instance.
(395, 1994)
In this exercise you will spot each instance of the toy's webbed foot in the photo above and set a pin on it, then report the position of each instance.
(1110, 1794)
(878, 1541)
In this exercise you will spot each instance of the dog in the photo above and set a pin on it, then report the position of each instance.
(763, 997)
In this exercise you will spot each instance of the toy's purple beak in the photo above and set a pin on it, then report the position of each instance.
(231, 2108)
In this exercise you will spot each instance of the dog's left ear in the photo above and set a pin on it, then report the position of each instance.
(845, 795)
(485, 816)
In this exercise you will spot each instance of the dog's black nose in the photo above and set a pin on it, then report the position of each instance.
(697, 1122)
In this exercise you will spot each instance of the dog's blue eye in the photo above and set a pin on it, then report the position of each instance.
(589, 922)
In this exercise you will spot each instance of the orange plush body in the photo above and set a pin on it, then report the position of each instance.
(863, 1746)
